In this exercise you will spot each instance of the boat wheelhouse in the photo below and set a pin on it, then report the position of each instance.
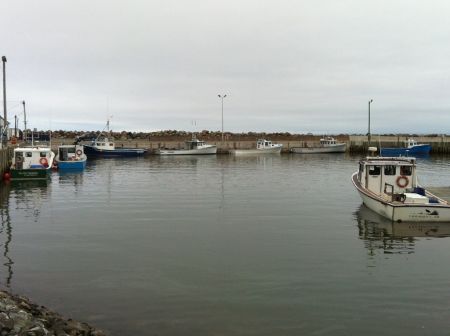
(32, 163)
(388, 186)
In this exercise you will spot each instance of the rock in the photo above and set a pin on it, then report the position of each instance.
(20, 317)
(5, 322)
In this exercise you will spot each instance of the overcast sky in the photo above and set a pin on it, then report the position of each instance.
(295, 66)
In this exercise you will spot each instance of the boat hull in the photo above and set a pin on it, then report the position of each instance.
(417, 150)
(117, 152)
(274, 150)
(403, 212)
(203, 151)
(81, 164)
(338, 148)
(30, 174)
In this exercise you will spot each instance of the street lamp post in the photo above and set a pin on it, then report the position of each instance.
(24, 134)
(368, 133)
(222, 98)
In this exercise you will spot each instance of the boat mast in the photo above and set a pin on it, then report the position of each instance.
(104, 128)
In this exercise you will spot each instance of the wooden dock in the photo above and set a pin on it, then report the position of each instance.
(5, 159)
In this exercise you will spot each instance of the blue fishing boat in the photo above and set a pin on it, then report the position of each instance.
(104, 147)
(71, 157)
(412, 148)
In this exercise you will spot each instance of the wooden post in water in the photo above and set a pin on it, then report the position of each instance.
(5, 121)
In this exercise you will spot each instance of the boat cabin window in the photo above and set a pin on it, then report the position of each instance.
(405, 170)
(390, 170)
(374, 170)
(42, 154)
(28, 154)
(111, 144)
(71, 150)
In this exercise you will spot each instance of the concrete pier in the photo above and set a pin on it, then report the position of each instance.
(440, 144)
(355, 143)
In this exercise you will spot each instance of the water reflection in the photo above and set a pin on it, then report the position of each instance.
(29, 196)
(6, 233)
(74, 177)
(17, 198)
(381, 234)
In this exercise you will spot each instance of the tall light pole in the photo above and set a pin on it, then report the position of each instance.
(24, 122)
(222, 97)
(5, 121)
(368, 133)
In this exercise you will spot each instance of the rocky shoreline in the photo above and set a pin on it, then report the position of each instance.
(19, 316)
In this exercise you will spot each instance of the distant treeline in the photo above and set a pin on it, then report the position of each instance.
(175, 134)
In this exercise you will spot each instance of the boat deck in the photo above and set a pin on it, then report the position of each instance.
(441, 192)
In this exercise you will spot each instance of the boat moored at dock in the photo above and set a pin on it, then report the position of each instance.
(326, 145)
(32, 163)
(105, 147)
(71, 157)
(388, 186)
(192, 147)
(263, 146)
(412, 148)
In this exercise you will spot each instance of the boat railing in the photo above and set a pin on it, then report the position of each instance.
(388, 189)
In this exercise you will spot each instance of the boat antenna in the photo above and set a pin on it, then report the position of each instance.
(194, 124)
(104, 128)
(379, 142)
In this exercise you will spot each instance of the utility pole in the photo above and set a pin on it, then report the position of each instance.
(5, 121)
(24, 122)
(368, 133)
(222, 97)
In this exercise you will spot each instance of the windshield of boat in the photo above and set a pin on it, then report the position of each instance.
(374, 170)
(406, 170)
(390, 170)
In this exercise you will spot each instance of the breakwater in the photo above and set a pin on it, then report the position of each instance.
(355, 143)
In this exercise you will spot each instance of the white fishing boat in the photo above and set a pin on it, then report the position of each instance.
(388, 186)
(34, 162)
(326, 145)
(263, 146)
(193, 147)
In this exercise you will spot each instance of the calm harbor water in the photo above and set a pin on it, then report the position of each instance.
(276, 245)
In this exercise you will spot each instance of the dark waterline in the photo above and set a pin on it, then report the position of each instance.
(276, 245)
